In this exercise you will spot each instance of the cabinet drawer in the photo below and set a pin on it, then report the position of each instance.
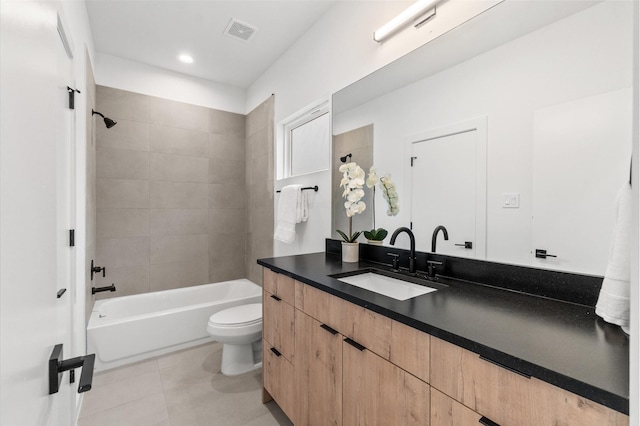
(278, 325)
(279, 285)
(409, 350)
(508, 398)
(366, 327)
(277, 379)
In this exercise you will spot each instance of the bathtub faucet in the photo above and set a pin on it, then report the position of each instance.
(95, 290)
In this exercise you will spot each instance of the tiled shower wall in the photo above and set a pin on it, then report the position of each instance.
(260, 192)
(171, 194)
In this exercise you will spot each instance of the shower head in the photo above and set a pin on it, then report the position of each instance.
(344, 159)
(107, 121)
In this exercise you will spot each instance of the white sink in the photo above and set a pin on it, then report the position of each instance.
(387, 286)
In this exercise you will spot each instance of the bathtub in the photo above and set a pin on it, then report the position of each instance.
(127, 329)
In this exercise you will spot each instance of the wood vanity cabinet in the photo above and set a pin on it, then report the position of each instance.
(508, 398)
(278, 340)
(331, 362)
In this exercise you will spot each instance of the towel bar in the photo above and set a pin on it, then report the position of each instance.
(315, 188)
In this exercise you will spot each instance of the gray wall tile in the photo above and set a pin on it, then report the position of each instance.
(176, 195)
(226, 123)
(227, 196)
(120, 252)
(121, 104)
(119, 223)
(178, 248)
(127, 134)
(226, 171)
(227, 147)
(122, 164)
(127, 279)
(177, 114)
(179, 221)
(166, 276)
(122, 193)
(178, 168)
(227, 221)
(172, 140)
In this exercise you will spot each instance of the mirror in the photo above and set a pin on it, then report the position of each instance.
(552, 81)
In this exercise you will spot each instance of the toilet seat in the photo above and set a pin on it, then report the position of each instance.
(238, 316)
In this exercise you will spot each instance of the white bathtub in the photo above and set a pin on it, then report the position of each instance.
(127, 329)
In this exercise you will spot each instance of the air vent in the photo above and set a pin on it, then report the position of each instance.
(240, 30)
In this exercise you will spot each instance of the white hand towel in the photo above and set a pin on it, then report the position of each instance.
(304, 206)
(613, 301)
(288, 214)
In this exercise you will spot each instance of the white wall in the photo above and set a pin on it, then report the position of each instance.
(137, 77)
(337, 51)
(506, 84)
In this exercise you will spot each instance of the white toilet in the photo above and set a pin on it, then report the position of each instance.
(239, 329)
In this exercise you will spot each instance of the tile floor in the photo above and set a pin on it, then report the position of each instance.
(183, 388)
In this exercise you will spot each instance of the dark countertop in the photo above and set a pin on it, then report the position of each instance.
(562, 343)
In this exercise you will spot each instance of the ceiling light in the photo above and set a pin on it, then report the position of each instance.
(186, 59)
(413, 12)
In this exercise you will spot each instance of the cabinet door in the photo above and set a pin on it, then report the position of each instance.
(318, 372)
(508, 398)
(448, 412)
(277, 379)
(376, 392)
(277, 324)
(279, 285)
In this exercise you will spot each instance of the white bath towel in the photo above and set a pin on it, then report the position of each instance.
(303, 206)
(289, 213)
(613, 301)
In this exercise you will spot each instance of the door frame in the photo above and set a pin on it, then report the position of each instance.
(480, 126)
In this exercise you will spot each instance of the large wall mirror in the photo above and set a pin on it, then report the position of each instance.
(548, 86)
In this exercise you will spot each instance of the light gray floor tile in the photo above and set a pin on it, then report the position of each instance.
(183, 388)
(148, 410)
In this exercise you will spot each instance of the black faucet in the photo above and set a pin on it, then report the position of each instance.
(435, 236)
(412, 253)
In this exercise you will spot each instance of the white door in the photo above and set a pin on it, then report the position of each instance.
(444, 192)
(35, 200)
(581, 157)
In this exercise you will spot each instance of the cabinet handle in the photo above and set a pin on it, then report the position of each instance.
(276, 352)
(276, 298)
(355, 344)
(513, 370)
(487, 422)
(329, 329)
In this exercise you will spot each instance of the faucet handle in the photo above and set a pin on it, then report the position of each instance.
(395, 261)
(431, 267)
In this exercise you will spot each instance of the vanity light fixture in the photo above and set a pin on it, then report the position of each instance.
(185, 59)
(419, 12)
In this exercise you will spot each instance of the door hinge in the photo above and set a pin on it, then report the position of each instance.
(72, 237)
(72, 97)
(412, 159)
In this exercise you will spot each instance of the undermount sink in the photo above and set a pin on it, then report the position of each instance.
(395, 288)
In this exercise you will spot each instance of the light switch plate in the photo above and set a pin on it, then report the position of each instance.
(511, 200)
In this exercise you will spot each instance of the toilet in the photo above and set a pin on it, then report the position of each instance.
(239, 329)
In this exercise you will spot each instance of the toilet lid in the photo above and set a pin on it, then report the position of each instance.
(238, 315)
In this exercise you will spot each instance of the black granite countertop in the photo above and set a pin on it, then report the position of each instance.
(562, 343)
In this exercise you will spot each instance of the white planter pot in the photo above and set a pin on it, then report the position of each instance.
(374, 242)
(350, 252)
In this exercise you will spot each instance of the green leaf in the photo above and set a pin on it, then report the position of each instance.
(343, 235)
(376, 234)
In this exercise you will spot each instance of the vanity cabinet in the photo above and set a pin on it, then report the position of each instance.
(278, 340)
(509, 398)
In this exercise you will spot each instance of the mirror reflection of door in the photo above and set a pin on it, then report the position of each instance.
(448, 182)
(574, 193)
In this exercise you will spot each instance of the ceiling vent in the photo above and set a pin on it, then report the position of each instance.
(240, 30)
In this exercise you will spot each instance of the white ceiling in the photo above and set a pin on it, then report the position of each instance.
(155, 32)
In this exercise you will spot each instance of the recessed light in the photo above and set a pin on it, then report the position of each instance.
(187, 59)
